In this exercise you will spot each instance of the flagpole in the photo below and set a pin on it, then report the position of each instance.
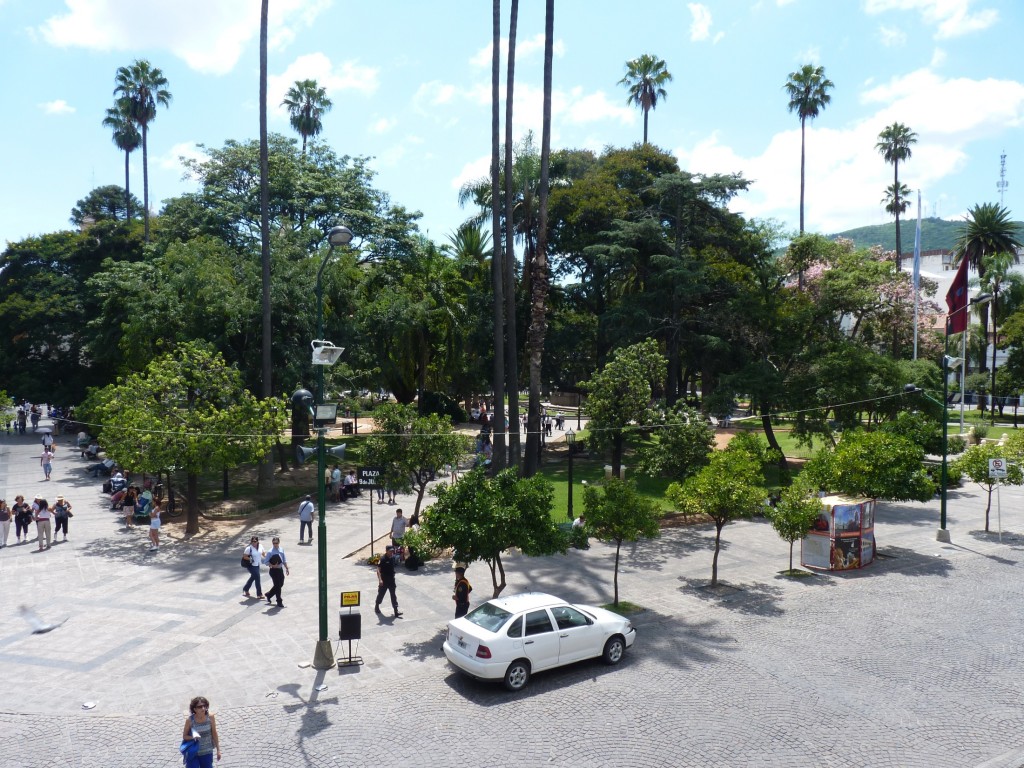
(917, 269)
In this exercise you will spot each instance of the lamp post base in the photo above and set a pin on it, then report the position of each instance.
(323, 656)
(942, 535)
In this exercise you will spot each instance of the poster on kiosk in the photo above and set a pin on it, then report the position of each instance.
(843, 536)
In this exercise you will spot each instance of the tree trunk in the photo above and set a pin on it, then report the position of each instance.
(803, 141)
(995, 338)
(498, 456)
(899, 238)
(282, 456)
(618, 445)
(145, 181)
(714, 559)
(497, 569)
(615, 578)
(127, 191)
(266, 468)
(512, 347)
(988, 506)
(192, 502)
(773, 443)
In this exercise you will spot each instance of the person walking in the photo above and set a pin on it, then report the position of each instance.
(255, 553)
(386, 580)
(46, 462)
(201, 726)
(154, 526)
(128, 501)
(306, 518)
(5, 522)
(278, 566)
(398, 527)
(462, 590)
(61, 515)
(22, 517)
(41, 513)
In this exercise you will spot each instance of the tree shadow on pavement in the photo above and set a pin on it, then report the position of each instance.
(892, 559)
(426, 649)
(754, 598)
(314, 718)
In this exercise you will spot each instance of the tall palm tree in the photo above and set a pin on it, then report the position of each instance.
(807, 89)
(512, 347)
(645, 79)
(541, 278)
(894, 145)
(127, 138)
(307, 103)
(988, 229)
(896, 202)
(143, 88)
(498, 456)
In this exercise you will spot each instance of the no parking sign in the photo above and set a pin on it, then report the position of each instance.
(996, 468)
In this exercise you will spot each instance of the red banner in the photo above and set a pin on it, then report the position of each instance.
(956, 300)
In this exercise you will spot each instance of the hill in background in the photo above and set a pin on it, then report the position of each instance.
(936, 234)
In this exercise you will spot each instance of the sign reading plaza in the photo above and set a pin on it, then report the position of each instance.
(371, 477)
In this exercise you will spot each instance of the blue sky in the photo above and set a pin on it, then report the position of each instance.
(410, 81)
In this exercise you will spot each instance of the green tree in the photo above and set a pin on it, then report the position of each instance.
(729, 487)
(808, 91)
(620, 394)
(480, 518)
(894, 143)
(104, 203)
(987, 229)
(878, 465)
(127, 138)
(683, 441)
(187, 409)
(997, 268)
(140, 89)
(974, 464)
(645, 80)
(411, 448)
(307, 103)
(794, 514)
(616, 512)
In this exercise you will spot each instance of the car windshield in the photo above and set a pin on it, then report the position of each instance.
(488, 616)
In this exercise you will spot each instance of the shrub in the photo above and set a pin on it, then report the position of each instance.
(443, 405)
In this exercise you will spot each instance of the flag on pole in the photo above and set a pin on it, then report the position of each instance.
(956, 300)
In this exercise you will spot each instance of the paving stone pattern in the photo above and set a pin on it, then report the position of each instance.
(912, 661)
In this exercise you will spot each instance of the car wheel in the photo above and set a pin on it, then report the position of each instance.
(517, 675)
(613, 650)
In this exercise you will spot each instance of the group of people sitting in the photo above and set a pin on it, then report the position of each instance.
(133, 501)
(341, 485)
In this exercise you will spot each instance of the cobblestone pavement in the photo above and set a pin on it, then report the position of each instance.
(912, 661)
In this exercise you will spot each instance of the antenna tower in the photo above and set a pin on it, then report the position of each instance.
(1002, 184)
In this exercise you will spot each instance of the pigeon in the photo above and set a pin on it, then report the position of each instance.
(39, 627)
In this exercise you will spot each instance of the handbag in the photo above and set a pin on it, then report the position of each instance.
(189, 749)
(246, 559)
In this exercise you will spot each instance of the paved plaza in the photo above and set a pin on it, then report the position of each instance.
(912, 661)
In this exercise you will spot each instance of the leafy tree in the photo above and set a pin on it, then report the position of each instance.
(878, 465)
(307, 103)
(140, 89)
(127, 138)
(411, 448)
(894, 143)
(997, 268)
(987, 229)
(794, 514)
(620, 394)
(187, 409)
(616, 512)
(974, 464)
(480, 518)
(808, 91)
(645, 80)
(683, 441)
(107, 203)
(729, 487)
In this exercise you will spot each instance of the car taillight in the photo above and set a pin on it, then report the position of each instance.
(483, 652)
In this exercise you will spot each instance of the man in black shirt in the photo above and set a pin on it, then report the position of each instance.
(386, 579)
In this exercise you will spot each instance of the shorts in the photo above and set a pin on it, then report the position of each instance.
(154, 525)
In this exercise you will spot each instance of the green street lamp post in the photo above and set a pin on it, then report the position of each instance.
(323, 656)
(570, 438)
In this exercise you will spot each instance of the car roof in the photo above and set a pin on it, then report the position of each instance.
(524, 601)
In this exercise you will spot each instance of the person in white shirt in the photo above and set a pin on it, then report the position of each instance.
(41, 513)
(306, 517)
(255, 553)
(398, 526)
(278, 565)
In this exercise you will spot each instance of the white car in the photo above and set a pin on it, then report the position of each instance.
(510, 638)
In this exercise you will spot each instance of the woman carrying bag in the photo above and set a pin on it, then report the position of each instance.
(252, 556)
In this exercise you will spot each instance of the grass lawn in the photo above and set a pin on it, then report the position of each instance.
(592, 470)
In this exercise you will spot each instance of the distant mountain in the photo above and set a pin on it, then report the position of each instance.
(935, 234)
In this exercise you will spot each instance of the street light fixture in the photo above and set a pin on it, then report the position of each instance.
(570, 438)
(324, 354)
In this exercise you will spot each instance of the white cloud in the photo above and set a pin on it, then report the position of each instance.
(382, 125)
(845, 173)
(951, 18)
(213, 46)
(579, 107)
(57, 107)
(471, 171)
(892, 37)
(938, 58)
(188, 150)
(700, 27)
(348, 76)
(396, 153)
(810, 55)
(524, 49)
(435, 94)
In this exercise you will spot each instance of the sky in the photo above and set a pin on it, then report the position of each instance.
(410, 82)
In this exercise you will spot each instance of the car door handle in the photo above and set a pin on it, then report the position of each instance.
(564, 634)
(528, 642)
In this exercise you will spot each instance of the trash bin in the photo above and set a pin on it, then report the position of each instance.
(346, 427)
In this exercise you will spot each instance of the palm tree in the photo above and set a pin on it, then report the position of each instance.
(498, 457)
(988, 229)
(142, 87)
(807, 89)
(896, 202)
(997, 272)
(127, 138)
(512, 348)
(307, 103)
(894, 145)
(645, 79)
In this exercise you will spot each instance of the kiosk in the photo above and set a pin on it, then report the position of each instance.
(843, 536)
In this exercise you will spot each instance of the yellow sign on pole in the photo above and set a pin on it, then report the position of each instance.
(349, 599)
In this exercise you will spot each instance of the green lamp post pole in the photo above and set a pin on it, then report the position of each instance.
(570, 438)
(323, 656)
